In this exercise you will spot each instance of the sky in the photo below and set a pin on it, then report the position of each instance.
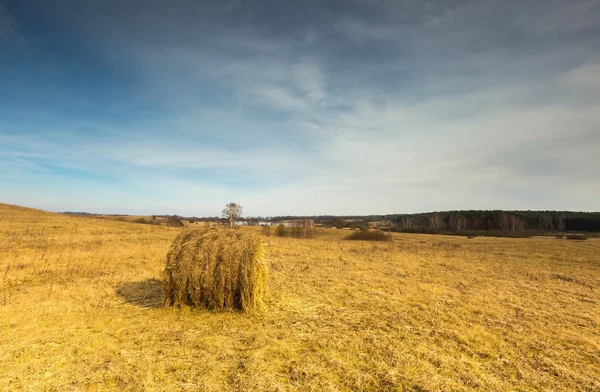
(299, 108)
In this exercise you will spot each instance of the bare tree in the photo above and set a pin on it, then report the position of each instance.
(232, 212)
(561, 223)
(516, 223)
(436, 222)
(545, 223)
(458, 222)
(510, 222)
(504, 221)
(407, 223)
(303, 228)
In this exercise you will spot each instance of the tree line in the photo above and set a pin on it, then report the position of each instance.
(473, 220)
(439, 222)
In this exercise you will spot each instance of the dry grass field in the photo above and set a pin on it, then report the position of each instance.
(80, 309)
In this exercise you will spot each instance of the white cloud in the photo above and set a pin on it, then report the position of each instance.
(308, 79)
(586, 77)
(457, 116)
(275, 97)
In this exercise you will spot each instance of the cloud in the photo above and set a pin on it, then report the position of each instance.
(8, 29)
(363, 32)
(375, 108)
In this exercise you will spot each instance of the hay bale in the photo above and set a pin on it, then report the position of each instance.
(217, 269)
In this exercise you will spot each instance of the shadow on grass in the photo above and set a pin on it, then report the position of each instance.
(146, 293)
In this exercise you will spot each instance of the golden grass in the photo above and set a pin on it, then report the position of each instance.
(81, 309)
(216, 269)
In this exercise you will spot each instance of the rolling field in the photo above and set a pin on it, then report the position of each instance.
(81, 309)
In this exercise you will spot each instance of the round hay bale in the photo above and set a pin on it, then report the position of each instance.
(217, 269)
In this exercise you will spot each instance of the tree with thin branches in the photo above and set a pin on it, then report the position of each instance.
(232, 212)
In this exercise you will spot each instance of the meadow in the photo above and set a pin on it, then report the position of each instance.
(81, 309)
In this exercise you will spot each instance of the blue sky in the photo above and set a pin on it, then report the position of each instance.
(314, 107)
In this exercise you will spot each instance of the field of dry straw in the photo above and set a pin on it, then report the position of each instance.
(81, 309)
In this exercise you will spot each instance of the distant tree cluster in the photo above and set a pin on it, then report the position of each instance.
(281, 230)
(146, 221)
(503, 221)
(174, 221)
(303, 228)
(491, 221)
(485, 222)
(300, 228)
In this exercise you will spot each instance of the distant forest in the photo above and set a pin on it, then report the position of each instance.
(443, 222)
(458, 221)
(452, 221)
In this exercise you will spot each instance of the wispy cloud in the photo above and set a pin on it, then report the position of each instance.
(373, 108)
(8, 29)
